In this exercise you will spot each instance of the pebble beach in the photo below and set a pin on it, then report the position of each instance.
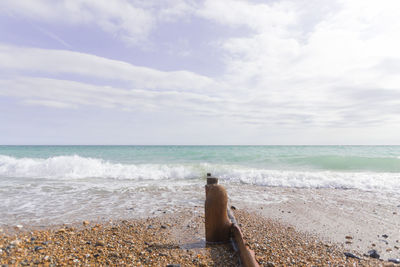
(144, 205)
(168, 239)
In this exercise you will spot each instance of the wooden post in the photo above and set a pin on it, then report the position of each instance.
(211, 180)
(221, 228)
(217, 223)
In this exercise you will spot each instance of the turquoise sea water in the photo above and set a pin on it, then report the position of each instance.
(329, 158)
(80, 179)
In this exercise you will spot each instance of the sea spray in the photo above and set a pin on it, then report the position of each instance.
(77, 167)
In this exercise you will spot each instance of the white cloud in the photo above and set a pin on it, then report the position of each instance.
(305, 62)
(298, 63)
(47, 103)
(120, 18)
(241, 13)
(50, 62)
(63, 94)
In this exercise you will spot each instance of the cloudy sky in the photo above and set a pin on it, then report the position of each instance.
(199, 72)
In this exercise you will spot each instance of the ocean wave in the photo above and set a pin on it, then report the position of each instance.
(77, 167)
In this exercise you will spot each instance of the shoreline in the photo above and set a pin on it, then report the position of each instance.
(170, 238)
(338, 220)
(360, 220)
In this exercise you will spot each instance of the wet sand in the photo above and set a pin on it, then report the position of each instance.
(359, 220)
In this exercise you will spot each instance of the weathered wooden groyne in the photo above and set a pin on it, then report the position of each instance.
(220, 223)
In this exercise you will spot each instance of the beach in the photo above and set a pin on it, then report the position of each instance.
(144, 206)
(169, 239)
(289, 233)
(361, 221)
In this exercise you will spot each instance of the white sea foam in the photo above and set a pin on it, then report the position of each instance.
(67, 188)
(77, 167)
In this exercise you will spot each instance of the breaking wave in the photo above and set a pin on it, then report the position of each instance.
(77, 167)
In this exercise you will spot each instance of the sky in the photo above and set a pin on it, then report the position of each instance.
(275, 72)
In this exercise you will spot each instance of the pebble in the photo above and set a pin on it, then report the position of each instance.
(85, 223)
(373, 254)
(37, 248)
(385, 236)
(15, 242)
(99, 244)
(123, 244)
(348, 237)
(351, 255)
(397, 261)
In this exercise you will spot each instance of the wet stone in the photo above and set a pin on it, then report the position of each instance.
(373, 254)
(397, 261)
(37, 248)
(351, 255)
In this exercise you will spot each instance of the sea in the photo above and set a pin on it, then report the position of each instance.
(41, 185)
